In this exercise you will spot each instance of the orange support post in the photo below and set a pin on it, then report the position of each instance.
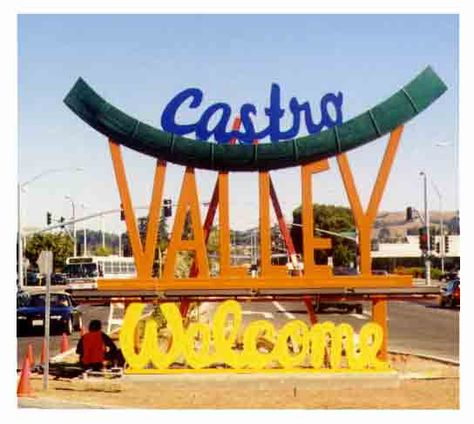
(313, 318)
(281, 220)
(268, 270)
(379, 315)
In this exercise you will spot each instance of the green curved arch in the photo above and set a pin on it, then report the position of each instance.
(370, 125)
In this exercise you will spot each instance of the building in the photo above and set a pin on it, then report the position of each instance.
(390, 255)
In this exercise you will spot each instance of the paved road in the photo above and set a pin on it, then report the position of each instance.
(424, 328)
(420, 327)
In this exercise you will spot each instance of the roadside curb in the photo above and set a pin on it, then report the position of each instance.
(425, 356)
(56, 403)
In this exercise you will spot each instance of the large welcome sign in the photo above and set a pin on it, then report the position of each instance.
(328, 137)
(295, 347)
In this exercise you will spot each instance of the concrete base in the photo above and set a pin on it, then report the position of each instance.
(269, 381)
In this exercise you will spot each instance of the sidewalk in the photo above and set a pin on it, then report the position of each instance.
(417, 384)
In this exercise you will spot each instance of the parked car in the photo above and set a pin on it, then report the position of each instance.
(346, 307)
(451, 275)
(58, 279)
(34, 279)
(21, 298)
(344, 270)
(451, 294)
(64, 318)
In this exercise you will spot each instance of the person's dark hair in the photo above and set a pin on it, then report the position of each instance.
(95, 325)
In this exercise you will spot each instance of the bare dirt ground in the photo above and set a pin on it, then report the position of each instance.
(422, 384)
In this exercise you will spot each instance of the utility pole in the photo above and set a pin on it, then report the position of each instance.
(84, 251)
(427, 226)
(20, 241)
(442, 247)
(74, 235)
(102, 230)
(45, 265)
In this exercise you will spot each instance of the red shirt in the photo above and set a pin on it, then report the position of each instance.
(93, 347)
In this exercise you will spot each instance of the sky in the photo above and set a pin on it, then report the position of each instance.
(139, 62)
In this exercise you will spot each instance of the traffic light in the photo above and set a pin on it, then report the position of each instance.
(446, 243)
(432, 239)
(409, 216)
(61, 220)
(167, 208)
(48, 218)
(423, 239)
(438, 249)
(122, 213)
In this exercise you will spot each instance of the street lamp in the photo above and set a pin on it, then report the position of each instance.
(21, 187)
(427, 226)
(73, 224)
(84, 250)
(442, 247)
(102, 230)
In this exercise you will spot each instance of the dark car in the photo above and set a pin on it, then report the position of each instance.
(21, 298)
(451, 294)
(34, 279)
(64, 315)
(344, 270)
(58, 279)
(346, 307)
(451, 275)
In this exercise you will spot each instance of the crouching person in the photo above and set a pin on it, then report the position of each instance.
(96, 348)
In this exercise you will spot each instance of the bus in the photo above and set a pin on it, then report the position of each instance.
(84, 271)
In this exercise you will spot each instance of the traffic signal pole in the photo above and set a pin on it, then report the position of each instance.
(20, 241)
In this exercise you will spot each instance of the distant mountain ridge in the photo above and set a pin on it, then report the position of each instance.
(394, 224)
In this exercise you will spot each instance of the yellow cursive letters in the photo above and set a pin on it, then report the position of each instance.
(295, 345)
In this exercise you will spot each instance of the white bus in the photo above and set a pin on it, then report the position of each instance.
(82, 272)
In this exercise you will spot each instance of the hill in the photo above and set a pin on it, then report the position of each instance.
(394, 224)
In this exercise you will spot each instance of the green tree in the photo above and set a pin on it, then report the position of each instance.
(213, 241)
(60, 244)
(188, 232)
(333, 218)
(163, 234)
(103, 251)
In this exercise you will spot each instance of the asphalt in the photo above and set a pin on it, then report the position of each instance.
(414, 327)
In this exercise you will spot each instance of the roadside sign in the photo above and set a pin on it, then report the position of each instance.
(45, 265)
(45, 262)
